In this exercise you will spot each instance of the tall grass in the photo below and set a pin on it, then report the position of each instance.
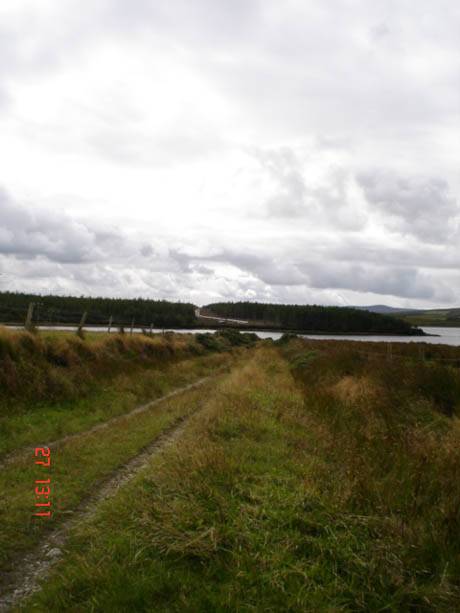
(314, 479)
(38, 368)
(389, 434)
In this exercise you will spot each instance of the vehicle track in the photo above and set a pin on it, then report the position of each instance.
(32, 568)
(26, 451)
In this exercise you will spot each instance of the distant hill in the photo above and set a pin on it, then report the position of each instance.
(384, 309)
(419, 317)
(321, 319)
(433, 317)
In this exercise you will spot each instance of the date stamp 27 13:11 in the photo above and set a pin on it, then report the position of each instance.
(43, 486)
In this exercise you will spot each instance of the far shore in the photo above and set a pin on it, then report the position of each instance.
(115, 328)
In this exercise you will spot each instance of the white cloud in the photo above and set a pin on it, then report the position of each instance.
(423, 207)
(285, 151)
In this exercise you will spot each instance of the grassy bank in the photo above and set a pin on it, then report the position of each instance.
(45, 422)
(78, 466)
(388, 433)
(119, 374)
(52, 367)
(54, 384)
(315, 479)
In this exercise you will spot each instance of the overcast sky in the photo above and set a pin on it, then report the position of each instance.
(301, 151)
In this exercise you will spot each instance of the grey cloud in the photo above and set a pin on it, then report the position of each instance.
(395, 281)
(291, 197)
(204, 270)
(269, 269)
(296, 80)
(379, 31)
(368, 85)
(183, 260)
(329, 274)
(332, 269)
(147, 251)
(58, 251)
(204, 20)
(422, 255)
(422, 207)
(40, 39)
(28, 233)
(189, 264)
(325, 204)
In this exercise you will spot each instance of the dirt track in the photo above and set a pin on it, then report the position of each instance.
(32, 568)
(25, 451)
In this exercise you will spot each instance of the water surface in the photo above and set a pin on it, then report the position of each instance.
(445, 336)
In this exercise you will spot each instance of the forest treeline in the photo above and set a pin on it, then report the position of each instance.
(69, 309)
(51, 309)
(313, 318)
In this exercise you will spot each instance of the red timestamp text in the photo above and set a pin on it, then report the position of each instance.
(43, 486)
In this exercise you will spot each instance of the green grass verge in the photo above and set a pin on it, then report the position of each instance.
(41, 423)
(77, 467)
(263, 505)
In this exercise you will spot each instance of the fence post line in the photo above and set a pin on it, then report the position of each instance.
(389, 352)
(132, 326)
(82, 321)
(30, 313)
(110, 324)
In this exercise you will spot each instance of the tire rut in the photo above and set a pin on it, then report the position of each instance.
(25, 451)
(32, 568)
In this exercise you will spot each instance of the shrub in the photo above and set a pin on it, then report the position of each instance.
(286, 338)
(209, 341)
(441, 385)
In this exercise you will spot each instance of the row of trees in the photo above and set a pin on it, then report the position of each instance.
(313, 318)
(164, 314)
(69, 309)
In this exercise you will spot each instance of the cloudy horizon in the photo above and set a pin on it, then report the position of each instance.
(299, 152)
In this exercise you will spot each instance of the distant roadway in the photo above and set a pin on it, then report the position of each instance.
(219, 319)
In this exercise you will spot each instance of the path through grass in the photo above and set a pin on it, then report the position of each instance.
(311, 480)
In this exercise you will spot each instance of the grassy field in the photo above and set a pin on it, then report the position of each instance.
(310, 476)
(55, 384)
(434, 317)
(100, 381)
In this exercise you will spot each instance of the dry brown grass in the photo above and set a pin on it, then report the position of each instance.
(340, 493)
(351, 390)
(198, 476)
(390, 439)
(36, 368)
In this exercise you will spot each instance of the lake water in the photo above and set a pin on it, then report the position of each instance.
(446, 336)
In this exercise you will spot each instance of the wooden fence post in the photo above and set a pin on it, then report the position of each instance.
(389, 352)
(82, 322)
(110, 324)
(29, 316)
